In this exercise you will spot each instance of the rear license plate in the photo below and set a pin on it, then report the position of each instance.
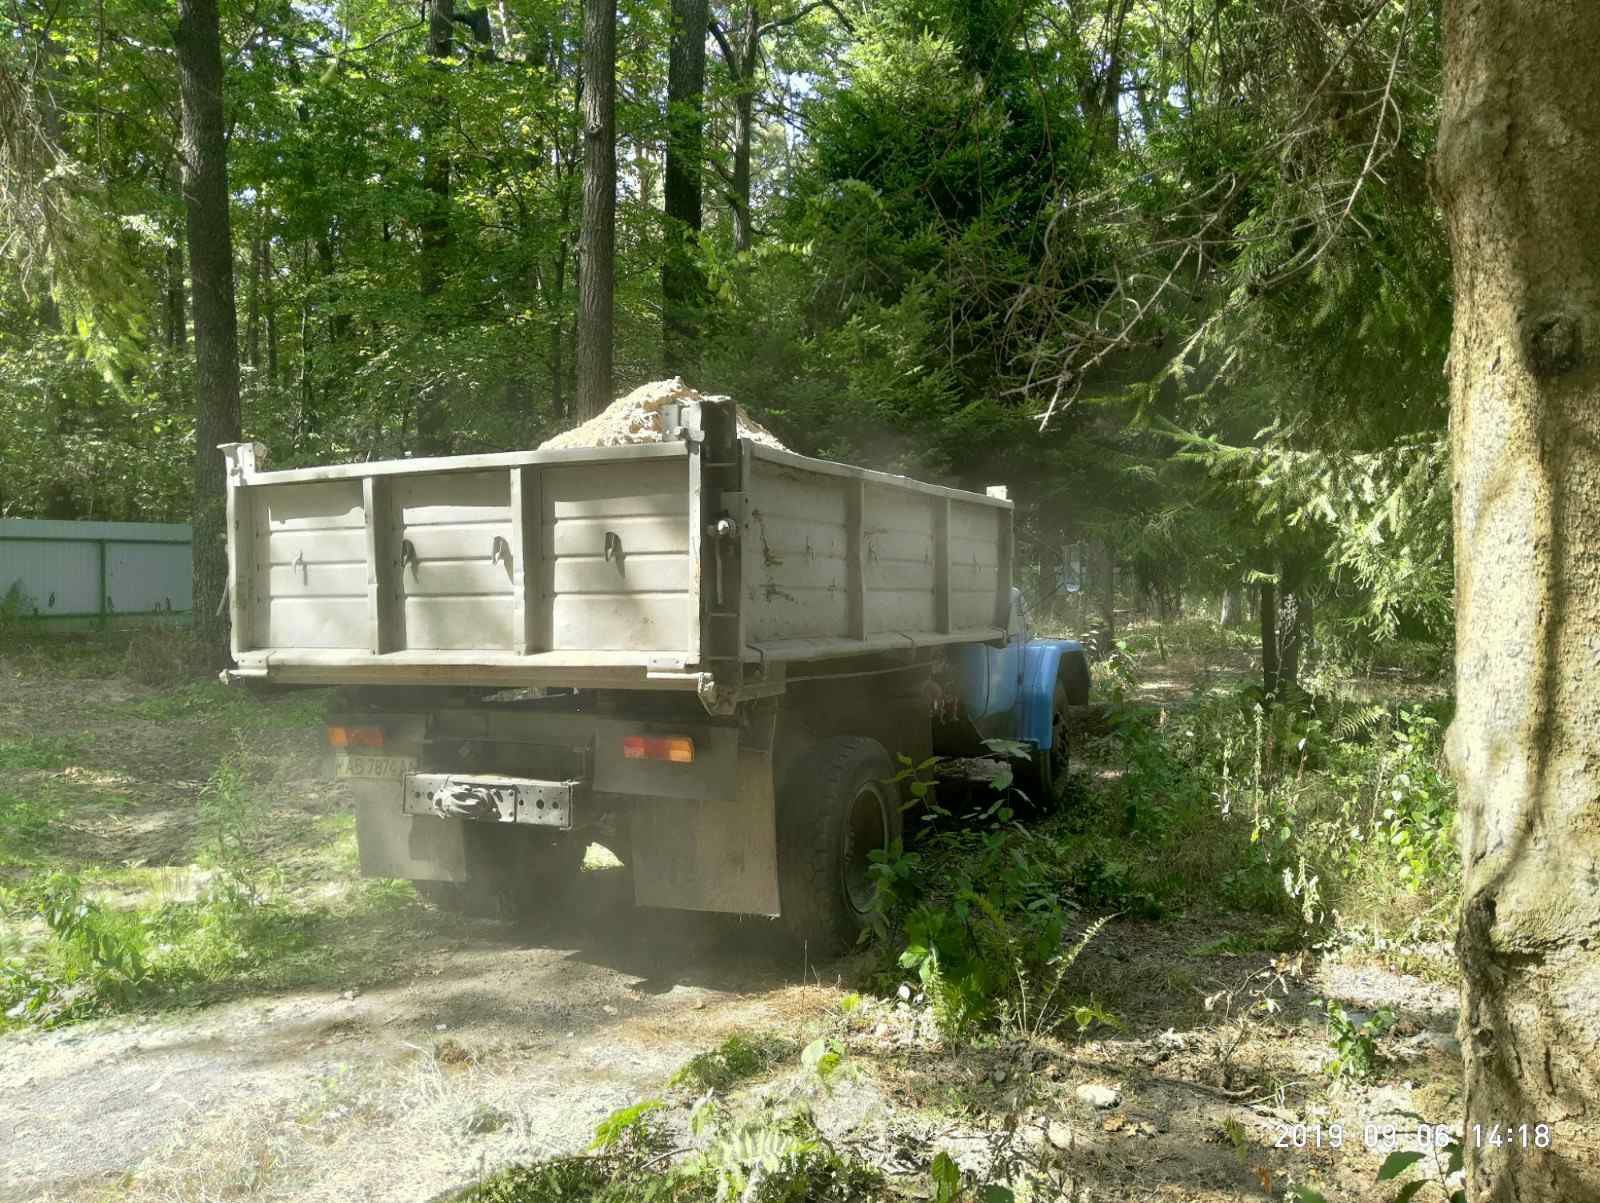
(372, 768)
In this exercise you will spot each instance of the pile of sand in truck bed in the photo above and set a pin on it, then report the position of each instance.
(636, 418)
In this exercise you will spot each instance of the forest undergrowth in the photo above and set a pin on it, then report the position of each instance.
(1317, 824)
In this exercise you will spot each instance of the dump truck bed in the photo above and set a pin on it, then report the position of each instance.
(707, 562)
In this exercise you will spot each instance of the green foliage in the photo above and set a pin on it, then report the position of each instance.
(1448, 1158)
(98, 959)
(1354, 1047)
(40, 752)
(962, 221)
(25, 826)
(627, 1126)
(235, 818)
(15, 607)
(560, 1180)
(823, 1057)
(738, 1058)
(1294, 810)
(767, 1152)
(980, 916)
(102, 961)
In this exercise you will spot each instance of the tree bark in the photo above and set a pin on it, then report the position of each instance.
(177, 311)
(744, 101)
(1269, 638)
(1289, 641)
(216, 336)
(682, 283)
(1519, 175)
(597, 238)
(252, 323)
(270, 299)
(1233, 607)
(1109, 97)
(433, 436)
(1107, 634)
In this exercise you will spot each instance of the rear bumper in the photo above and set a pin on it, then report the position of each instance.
(492, 799)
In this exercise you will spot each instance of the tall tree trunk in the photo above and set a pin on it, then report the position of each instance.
(252, 322)
(1233, 607)
(270, 299)
(682, 283)
(1268, 606)
(177, 311)
(338, 323)
(596, 241)
(216, 337)
(432, 419)
(744, 101)
(1519, 174)
(1290, 641)
(1109, 95)
(1107, 634)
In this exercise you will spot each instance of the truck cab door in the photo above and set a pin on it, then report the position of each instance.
(1005, 661)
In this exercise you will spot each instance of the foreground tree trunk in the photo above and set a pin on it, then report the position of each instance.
(216, 335)
(1519, 174)
(682, 284)
(597, 235)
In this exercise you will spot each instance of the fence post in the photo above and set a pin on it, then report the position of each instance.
(100, 547)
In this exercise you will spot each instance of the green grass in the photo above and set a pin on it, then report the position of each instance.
(26, 827)
(181, 938)
(41, 751)
(227, 707)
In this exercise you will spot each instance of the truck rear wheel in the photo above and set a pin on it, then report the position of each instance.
(837, 808)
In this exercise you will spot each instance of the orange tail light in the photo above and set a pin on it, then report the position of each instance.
(679, 749)
(355, 737)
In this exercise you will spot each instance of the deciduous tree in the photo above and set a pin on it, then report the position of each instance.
(216, 336)
(682, 281)
(597, 237)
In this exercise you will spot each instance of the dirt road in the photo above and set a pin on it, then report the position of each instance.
(505, 1045)
(399, 1057)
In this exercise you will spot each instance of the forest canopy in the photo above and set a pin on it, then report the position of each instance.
(1170, 269)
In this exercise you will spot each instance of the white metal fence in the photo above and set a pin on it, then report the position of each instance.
(94, 570)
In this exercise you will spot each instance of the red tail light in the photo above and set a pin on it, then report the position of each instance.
(355, 737)
(679, 749)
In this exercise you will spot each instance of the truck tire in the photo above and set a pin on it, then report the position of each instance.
(512, 872)
(837, 806)
(1046, 776)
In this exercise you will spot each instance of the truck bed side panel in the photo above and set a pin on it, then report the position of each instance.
(310, 566)
(617, 556)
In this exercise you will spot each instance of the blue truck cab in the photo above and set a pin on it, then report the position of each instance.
(1019, 690)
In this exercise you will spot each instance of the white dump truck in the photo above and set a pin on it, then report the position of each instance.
(703, 653)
